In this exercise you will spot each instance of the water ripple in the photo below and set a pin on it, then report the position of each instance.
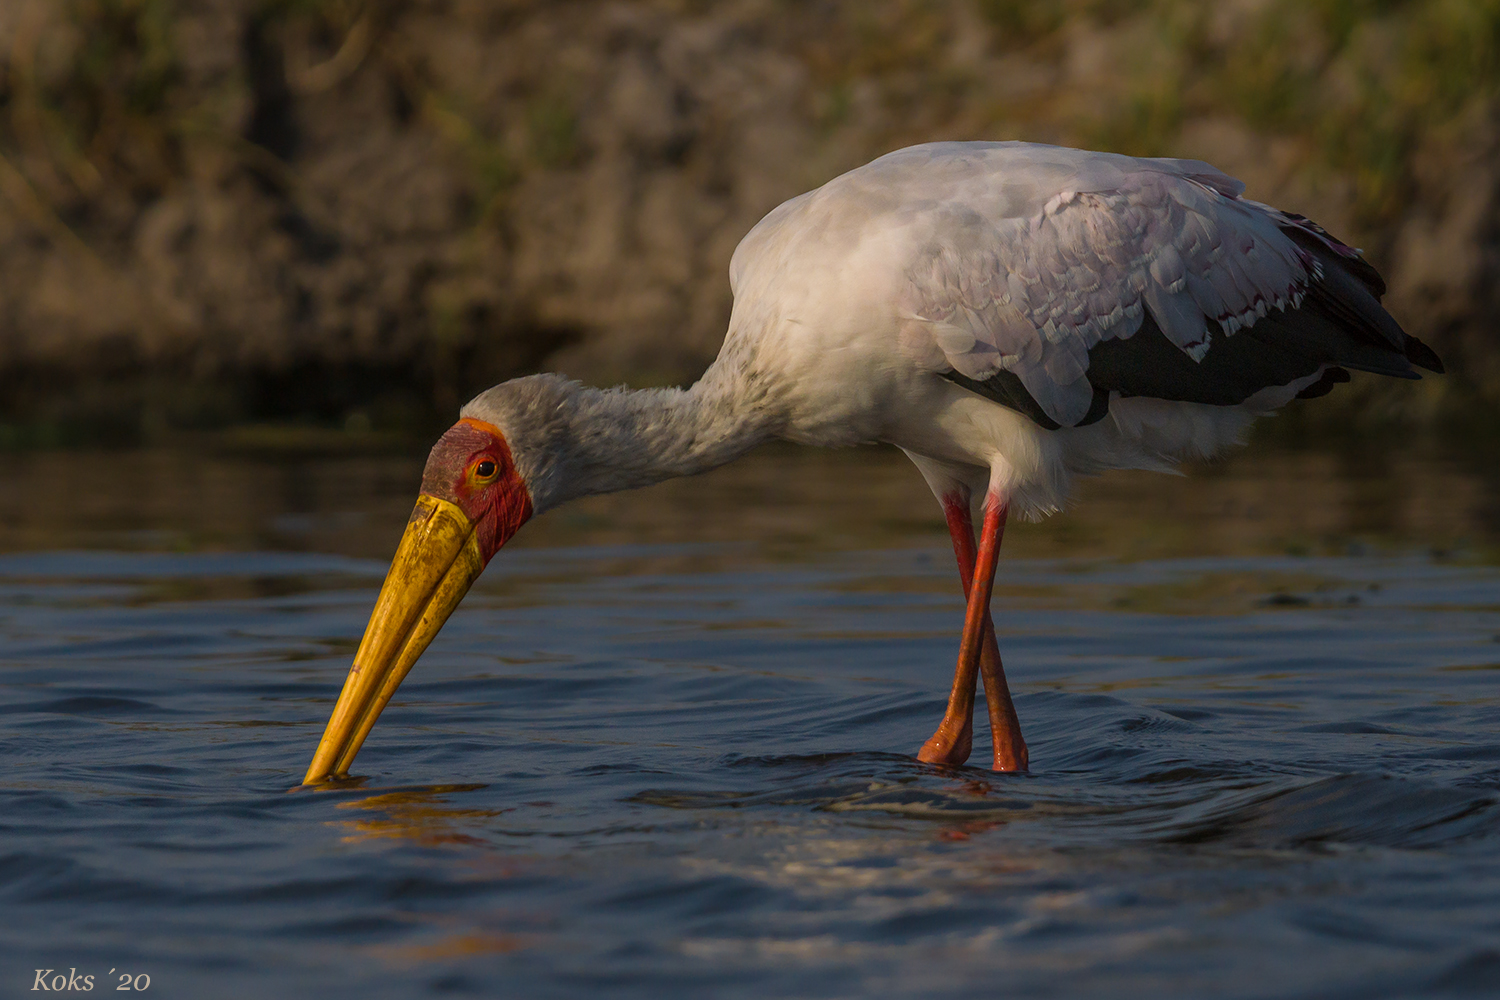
(614, 775)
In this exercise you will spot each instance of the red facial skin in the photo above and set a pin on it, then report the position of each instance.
(497, 504)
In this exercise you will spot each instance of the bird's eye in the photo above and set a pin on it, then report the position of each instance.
(485, 469)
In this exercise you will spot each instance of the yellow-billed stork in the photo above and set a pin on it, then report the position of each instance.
(1010, 315)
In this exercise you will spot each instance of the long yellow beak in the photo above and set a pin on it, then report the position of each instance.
(437, 560)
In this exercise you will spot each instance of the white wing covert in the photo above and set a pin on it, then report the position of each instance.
(1033, 295)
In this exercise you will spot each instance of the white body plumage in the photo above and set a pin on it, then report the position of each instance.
(859, 304)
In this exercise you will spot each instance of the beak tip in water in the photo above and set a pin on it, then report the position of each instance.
(437, 560)
(327, 783)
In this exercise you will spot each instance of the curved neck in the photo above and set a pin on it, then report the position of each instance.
(618, 439)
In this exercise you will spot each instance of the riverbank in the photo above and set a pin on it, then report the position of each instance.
(339, 213)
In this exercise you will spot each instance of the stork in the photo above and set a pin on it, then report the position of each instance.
(1010, 315)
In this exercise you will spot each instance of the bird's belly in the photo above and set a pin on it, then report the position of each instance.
(954, 426)
(927, 415)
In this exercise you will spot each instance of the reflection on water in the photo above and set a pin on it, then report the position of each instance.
(664, 748)
(422, 815)
(784, 501)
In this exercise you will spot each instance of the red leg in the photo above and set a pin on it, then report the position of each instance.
(1005, 725)
(954, 738)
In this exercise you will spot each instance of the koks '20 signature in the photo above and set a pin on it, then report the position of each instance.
(45, 980)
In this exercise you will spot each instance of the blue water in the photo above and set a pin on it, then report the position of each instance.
(684, 770)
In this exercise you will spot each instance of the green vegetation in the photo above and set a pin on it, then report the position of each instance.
(1362, 82)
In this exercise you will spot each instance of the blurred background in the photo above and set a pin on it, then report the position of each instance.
(352, 214)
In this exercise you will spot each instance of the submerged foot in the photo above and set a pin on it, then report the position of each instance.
(950, 745)
(1011, 755)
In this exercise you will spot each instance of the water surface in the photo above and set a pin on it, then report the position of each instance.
(665, 747)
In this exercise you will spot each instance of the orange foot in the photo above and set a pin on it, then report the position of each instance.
(949, 745)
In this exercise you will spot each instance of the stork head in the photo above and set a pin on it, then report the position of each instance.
(473, 500)
(471, 467)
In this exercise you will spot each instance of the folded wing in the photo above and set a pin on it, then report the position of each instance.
(1165, 283)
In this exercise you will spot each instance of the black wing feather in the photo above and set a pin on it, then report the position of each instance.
(1339, 325)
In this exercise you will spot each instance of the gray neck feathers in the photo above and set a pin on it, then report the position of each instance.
(570, 440)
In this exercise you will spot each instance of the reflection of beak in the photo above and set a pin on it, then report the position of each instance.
(436, 562)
